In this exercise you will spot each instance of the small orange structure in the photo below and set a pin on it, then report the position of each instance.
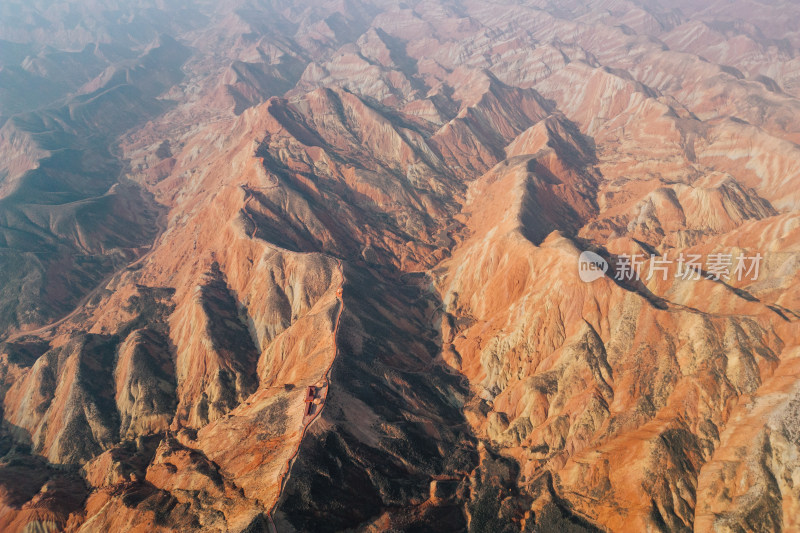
(339, 292)
(310, 394)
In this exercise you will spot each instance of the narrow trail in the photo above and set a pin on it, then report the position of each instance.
(161, 228)
(248, 195)
(161, 223)
(286, 471)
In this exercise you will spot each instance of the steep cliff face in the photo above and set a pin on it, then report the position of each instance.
(603, 383)
(315, 266)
